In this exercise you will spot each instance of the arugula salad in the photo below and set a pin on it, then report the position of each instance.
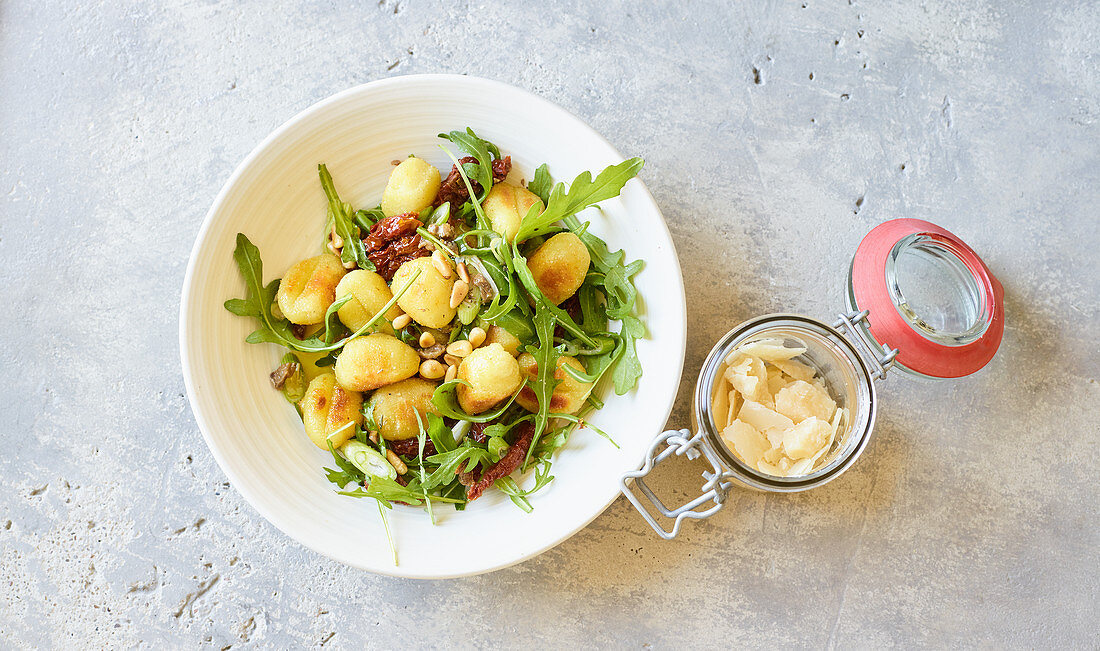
(452, 335)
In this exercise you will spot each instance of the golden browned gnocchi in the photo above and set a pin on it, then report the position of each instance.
(369, 293)
(394, 408)
(506, 205)
(559, 266)
(491, 374)
(428, 299)
(412, 187)
(308, 288)
(569, 395)
(329, 412)
(374, 361)
(498, 335)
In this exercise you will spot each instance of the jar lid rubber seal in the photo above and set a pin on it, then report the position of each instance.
(893, 324)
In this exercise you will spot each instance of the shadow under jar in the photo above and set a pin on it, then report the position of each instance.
(919, 299)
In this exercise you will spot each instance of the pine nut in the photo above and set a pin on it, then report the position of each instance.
(400, 322)
(452, 360)
(459, 292)
(350, 264)
(431, 370)
(460, 348)
(477, 336)
(337, 241)
(373, 436)
(462, 273)
(441, 265)
(452, 373)
(427, 340)
(333, 250)
(396, 462)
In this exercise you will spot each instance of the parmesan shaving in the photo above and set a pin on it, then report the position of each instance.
(796, 370)
(802, 400)
(748, 443)
(762, 418)
(777, 380)
(769, 350)
(750, 378)
(734, 399)
(720, 405)
(773, 411)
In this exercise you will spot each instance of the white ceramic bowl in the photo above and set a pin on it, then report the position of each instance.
(275, 199)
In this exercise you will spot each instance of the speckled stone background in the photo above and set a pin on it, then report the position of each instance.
(775, 134)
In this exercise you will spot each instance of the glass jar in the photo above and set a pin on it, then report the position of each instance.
(919, 300)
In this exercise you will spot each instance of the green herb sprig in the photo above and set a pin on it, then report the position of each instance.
(342, 218)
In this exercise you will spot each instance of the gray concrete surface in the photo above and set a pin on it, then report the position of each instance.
(776, 135)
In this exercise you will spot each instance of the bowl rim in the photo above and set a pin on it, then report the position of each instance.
(489, 87)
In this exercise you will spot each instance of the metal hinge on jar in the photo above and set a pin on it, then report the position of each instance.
(848, 323)
(714, 489)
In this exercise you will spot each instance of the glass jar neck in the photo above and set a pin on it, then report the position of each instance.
(934, 289)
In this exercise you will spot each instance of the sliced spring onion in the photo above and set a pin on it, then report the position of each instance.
(470, 306)
(440, 214)
(367, 459)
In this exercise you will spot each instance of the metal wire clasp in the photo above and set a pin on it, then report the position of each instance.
(714, 489)
(879, 364)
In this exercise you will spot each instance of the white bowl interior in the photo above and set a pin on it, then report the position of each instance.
(275, 199)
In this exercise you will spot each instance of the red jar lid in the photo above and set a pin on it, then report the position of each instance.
(930, 296)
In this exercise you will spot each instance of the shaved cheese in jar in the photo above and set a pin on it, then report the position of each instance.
(801, 400)
(796, 370)
(749, 377)
(762, 418)
(749, 444)
(768, 350)
(773, 411)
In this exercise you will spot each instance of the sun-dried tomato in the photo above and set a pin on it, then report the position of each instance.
(507, 464)
(477, 432)
(411, 447)
(453, 188)
(390, 229)
(394, 241)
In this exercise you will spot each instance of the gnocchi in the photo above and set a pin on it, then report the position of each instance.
(412, 187)
(559, 266)
(394, 408)
(369, 294)
(507, 340)
(428, 298)
(438, 280)
(330, 412)
(491, 374)
(506, 205)
(374, 361)
(309, 288)
(569, 395)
